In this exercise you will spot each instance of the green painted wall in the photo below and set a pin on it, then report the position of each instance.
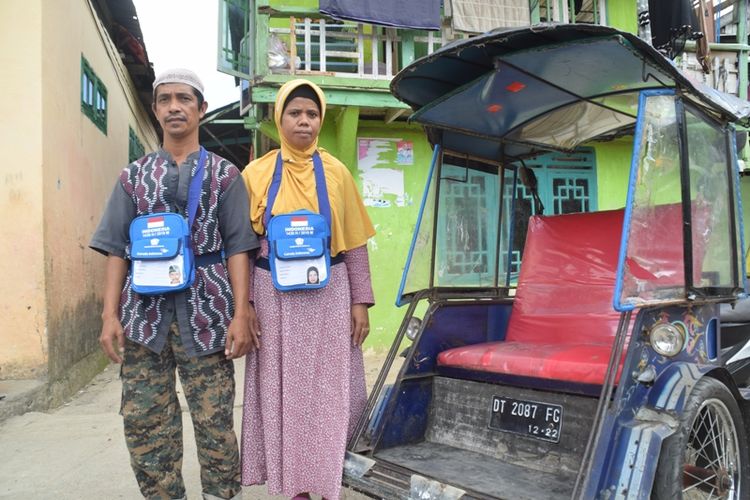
(621, 14)
(311, 4)
(613, 167)
(612, 172)
(394, 224)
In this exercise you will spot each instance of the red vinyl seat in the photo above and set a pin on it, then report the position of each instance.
(562, 324)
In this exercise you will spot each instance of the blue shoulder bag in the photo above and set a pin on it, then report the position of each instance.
(161, 252)
(299, 251)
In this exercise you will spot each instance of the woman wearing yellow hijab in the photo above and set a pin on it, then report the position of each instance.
(304, 386)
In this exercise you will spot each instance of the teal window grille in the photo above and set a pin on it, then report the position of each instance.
(566, 184)
(467, 227)
(93, 96)
(467, 240)
(135, 146)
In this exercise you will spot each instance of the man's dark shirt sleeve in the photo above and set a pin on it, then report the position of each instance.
(234, 220)
(112, 235)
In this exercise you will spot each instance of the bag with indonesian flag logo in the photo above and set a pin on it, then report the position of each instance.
(161, 253)
(162, 260)
(299, 251)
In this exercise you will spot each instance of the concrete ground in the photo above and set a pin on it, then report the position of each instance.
(78, 451)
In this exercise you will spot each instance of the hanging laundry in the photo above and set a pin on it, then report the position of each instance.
(415, 14)
(670, 23)
(478, 16)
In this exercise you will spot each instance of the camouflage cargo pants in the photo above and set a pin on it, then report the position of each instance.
(153, 419)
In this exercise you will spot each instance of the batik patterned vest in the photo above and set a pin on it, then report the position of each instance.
(209, 299)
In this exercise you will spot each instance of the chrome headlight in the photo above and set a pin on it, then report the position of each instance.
(667, 339)
(413, 327)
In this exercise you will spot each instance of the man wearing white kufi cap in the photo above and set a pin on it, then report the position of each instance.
(199, 326)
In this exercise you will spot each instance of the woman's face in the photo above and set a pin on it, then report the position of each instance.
(300, 122)
(312, 276)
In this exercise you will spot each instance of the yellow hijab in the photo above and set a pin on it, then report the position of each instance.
(350, 224)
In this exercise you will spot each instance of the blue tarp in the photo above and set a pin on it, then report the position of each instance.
(415, 14)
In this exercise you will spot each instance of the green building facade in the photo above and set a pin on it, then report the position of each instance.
(366, 127)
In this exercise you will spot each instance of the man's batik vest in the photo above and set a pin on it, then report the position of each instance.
(209, 299)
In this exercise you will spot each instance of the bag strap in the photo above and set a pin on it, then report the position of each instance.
(324, 205)
(194, 192)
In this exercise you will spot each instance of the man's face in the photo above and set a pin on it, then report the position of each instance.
(176, 109)
(300, 122)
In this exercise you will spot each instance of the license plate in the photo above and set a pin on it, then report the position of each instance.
(537, 420)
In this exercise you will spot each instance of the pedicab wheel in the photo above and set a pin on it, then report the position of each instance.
(707, 457)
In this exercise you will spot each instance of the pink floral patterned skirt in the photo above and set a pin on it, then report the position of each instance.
(304, 388)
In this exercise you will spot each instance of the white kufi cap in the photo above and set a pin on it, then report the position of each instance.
(179, 75)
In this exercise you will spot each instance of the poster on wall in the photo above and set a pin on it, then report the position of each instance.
(380, 164)
(405, 153)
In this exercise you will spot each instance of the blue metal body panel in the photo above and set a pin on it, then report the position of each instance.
(641, 415)
(405, 417)
(449, 325)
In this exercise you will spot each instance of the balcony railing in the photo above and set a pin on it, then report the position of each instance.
(352, 50)
(265, 42)
(264, 37)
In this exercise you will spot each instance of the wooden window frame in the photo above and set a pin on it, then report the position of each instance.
(135, 146)
(93, 96)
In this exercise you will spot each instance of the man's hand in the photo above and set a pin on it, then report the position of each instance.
(243, 330)
(243, 334)
(360, 324)
(112, 335)
(112, 332)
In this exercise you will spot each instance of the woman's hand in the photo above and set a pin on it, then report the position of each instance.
(360, 324)
(254, 329)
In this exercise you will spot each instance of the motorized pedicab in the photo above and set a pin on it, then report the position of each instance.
(577, 355)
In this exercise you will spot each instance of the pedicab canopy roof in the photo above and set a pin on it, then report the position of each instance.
(513, 94)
